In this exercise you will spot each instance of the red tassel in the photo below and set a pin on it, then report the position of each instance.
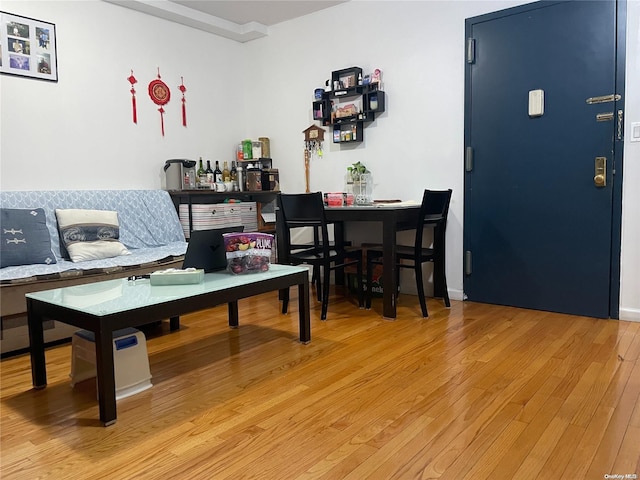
(135, 111)
(183, 89)
(161, 110)
(132, 80)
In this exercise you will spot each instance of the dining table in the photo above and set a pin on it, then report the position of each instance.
(391, 217)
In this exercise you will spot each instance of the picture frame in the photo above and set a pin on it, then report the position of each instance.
(348, 81)
(28, 47)
(346, 78)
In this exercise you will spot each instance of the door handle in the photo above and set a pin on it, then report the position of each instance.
(600, 176)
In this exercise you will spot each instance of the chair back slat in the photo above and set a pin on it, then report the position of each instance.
(303, 210)
(434, 210)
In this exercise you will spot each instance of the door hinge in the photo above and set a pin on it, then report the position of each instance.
(620, 123)
(467, 262)
(471, 50)
(468, 159)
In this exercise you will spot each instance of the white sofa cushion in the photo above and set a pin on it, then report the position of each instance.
(90, 234)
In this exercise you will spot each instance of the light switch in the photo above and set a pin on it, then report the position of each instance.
(635, 132)
(536, 103)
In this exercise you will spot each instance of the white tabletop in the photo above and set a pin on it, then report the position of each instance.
(114, 296)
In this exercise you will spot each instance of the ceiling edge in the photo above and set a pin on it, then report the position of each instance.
(191, 18)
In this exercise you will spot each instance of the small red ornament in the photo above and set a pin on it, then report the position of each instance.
(183, 89)
(160, 94)
(132, 81)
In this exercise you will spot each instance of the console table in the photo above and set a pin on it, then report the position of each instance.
(104, 307)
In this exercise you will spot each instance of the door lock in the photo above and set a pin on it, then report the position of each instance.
(600, 177)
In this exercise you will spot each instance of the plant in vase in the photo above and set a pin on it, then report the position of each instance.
(360, 182)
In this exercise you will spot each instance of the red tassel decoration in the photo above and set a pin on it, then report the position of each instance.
(161, 110)
(160, 95)
(133, 104)
(132, 81)
(183, 89)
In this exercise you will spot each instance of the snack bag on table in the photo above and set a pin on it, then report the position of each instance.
(248, 252)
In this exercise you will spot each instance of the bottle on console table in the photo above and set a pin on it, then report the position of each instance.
(217, 173)
(201, 178)
(226, 174)
(241, 179)
(210, 175)
(233, 174)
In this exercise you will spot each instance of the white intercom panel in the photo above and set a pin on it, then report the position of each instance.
(536, 103)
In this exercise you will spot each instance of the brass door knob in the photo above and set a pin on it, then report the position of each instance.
(599, 180)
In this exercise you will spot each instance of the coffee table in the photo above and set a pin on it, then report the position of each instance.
(104, 307)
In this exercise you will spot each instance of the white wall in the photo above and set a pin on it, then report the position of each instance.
(630, 264)
(78, 133)
(265, 88)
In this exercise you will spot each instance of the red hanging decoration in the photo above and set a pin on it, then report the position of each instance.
(132, 81)
(183, 89)
(160, 94)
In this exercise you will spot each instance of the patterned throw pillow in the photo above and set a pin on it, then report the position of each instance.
(89, 234)
(25, 237)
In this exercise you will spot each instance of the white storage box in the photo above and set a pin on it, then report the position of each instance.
(130, 359)
(209, 216)
(249, 215)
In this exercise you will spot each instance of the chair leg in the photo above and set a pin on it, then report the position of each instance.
(440, 280)
(315, 279)
(369, 280)
(445, 292)
(325, 292)
(318, 282)
(420, 285)
(359, 283)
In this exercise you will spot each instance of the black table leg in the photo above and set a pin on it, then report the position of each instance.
(303, 311)
(105, 376)
(174, 323)
(233, 314)
(389, 276)
(284, 295)
(338, 238)
(36, 343)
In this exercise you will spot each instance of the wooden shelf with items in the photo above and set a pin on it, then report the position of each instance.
(262, 198)
(360, 103)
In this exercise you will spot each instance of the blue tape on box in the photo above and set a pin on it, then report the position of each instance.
(172, 276)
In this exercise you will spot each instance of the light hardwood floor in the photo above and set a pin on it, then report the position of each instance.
(473, 392)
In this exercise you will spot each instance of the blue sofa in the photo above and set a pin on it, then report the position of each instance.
(149, 229)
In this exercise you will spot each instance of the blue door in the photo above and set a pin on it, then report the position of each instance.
(542, 142)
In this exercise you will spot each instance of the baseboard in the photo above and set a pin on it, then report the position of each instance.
(630, 314)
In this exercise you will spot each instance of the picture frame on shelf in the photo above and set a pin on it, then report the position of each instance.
(348, 81)
(346, 78)
(28, 47)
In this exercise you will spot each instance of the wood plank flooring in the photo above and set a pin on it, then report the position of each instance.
(473, 392)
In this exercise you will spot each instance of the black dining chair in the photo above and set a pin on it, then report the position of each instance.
(307, 210)
(434, 211)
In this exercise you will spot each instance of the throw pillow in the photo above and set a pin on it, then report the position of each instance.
(89, 234)
(25, 237)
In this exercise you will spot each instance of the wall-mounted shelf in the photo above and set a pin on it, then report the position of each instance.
(360, 105)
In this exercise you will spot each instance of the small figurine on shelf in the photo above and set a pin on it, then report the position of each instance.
(376, 80)
(376, 76)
